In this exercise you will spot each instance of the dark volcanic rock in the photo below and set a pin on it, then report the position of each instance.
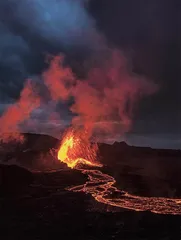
(34, 153)
(142, 170)
(35, 142)
(139, 170)
(14, 179)
(38, 142)
(45, 209)
(50, 211)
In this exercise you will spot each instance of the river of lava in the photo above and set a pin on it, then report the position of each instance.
(101, 185)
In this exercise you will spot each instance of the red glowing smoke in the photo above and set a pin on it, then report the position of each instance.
(103, 102)
(17, 113)
(58, 79)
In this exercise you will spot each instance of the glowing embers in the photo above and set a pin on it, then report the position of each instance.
(76, 150)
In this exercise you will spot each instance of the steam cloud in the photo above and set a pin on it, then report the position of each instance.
(104, 100)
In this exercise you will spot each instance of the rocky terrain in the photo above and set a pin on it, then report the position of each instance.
(34, 202)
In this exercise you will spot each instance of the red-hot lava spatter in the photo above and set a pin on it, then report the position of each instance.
(76, 150)
(101, 185)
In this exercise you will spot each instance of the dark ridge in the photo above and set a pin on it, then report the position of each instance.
(36, 205)
(40, 141)
(141, 170)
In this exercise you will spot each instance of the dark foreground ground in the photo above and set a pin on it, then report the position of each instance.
(37, 206)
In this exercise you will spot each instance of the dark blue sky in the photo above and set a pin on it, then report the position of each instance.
(149, 32)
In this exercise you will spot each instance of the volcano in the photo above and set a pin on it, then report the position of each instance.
(118, 195)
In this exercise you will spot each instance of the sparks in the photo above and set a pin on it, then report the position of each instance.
(76, 150)
(72, 149)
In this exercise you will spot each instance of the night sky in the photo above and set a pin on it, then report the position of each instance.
(147, 32)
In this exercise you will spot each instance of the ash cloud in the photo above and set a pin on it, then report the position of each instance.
(104, 101)
(105, 95)
(31, 29)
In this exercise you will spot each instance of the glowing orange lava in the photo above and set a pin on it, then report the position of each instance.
(101, 185)
(73, 148)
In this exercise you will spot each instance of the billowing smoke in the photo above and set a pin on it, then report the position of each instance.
(17, 113)
(59, 79)
(63, 24)
(31, 28)
(103, 102)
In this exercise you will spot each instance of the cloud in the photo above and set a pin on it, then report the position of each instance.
(108, 91)
(31, 28)
(13, 50)
(107, 95)
(60, 22)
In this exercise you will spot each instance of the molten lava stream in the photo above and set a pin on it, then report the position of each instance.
(101, 185)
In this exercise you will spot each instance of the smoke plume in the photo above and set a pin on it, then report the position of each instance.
(17, 113)
(29, 29)
(104, 101)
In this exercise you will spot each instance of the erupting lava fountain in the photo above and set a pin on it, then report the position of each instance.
(76, 150)
(75, 145)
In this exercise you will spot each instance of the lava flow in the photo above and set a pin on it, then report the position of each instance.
(101, 185)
